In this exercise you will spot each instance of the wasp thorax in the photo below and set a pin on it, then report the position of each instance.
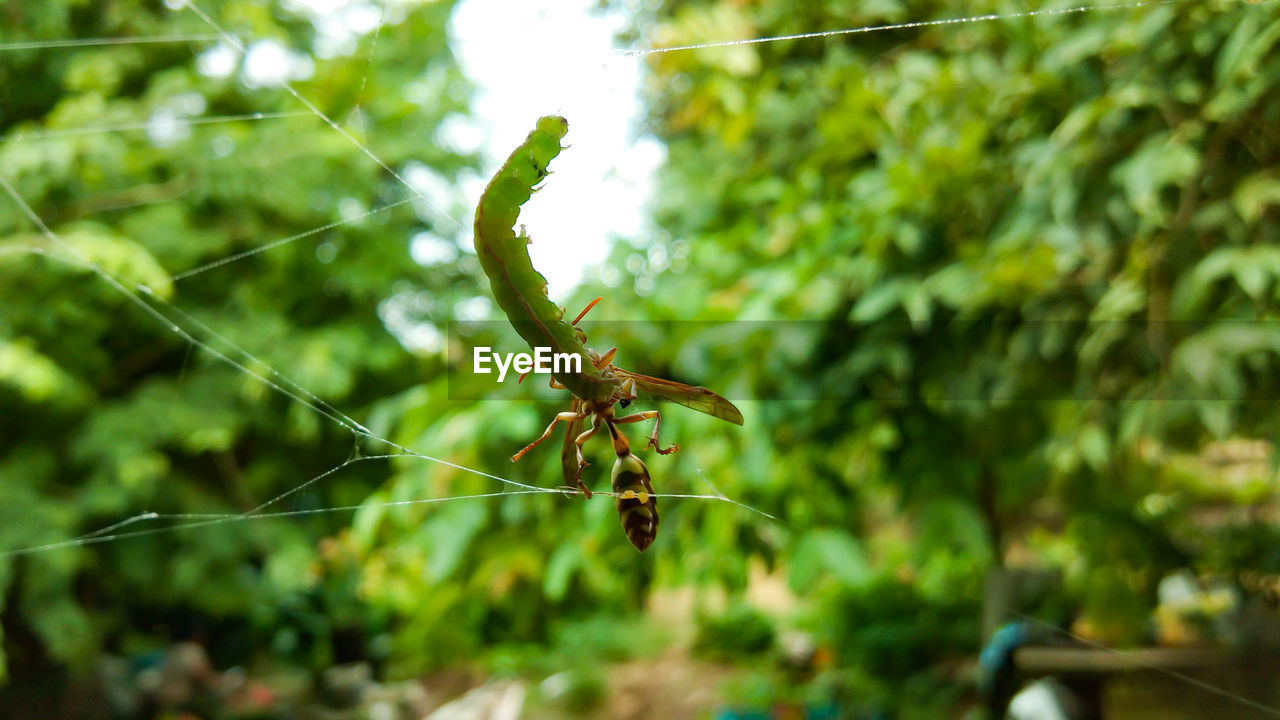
(633, 496)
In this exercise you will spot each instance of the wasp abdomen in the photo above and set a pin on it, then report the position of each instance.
(633, 496)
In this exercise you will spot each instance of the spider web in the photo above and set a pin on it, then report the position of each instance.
(200, 336)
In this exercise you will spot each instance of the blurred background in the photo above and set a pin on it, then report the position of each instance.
(998, 301)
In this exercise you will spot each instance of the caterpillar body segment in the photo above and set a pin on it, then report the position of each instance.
(520, 290)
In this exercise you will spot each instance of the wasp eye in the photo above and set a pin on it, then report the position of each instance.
(624, 402)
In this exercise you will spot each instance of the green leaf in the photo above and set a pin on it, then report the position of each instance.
(1256, 194)
(1095, 447)
(829, 551)
(36, 378)
(449, 534)
(120, 257)
(1160, 162)
(882, 299)
(560, 569)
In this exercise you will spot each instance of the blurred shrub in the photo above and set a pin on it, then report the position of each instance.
(894, 632)
(740, 631)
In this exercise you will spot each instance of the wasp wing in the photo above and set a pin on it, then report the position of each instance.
(694, 397)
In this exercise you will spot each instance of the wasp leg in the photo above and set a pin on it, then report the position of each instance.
(582, 461)
(560, 417)
(653, 437)
(585, 310)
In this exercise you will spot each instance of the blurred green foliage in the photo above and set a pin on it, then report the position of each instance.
(1020, 280)
(740, 631)
(1027, 267)
(108, 413)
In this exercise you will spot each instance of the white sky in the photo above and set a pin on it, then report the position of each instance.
(527, 59)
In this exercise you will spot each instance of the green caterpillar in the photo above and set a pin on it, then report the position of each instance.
(521, 291)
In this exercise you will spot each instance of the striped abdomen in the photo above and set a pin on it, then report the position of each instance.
(633, 496)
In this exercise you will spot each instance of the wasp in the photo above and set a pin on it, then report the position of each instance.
(632, 487)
